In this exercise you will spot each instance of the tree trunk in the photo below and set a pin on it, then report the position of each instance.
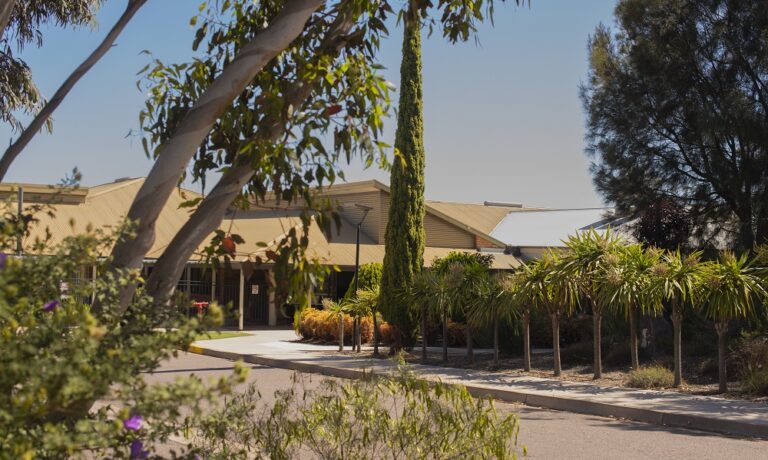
(424, 333)
(196, 124)
(556, 343)
(633, 337)
(212, 210)
(359, 336)
(375, 335)
(495, 340)
(45, 113)
(445, 336)
(470, 349)
(722, 329)
(597, 319)
(354, 334)
(677, 327)
(527, 341)
(6, 8)
(341, 332)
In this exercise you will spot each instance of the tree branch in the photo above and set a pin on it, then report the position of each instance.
(190, 133)
(30, 131)
(5, 15)
(212, 210)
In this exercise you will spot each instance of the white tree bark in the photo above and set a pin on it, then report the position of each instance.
(6, 8)
(212, 210)
(178, 151)
(37, 123)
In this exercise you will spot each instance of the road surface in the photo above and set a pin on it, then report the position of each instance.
(547, 434)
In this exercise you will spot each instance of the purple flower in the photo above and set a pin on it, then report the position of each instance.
(51, 305)
(133, 423)
(3, 260)
(137, 450)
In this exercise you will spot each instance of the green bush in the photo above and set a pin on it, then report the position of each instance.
(394, 418)
(370, 278)
(654, 376)
(756, 381)
(751, 358)
(60, 356)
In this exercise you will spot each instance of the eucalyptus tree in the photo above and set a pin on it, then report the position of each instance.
(277, 78)
(589, 255)
(675, 280)
(495, 304)
(625, 285)
(28, 16)
(730, 288)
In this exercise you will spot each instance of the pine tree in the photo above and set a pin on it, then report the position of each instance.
(404, 238)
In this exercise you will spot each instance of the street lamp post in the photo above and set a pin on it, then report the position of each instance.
(357, 331)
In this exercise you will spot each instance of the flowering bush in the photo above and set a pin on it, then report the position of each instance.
(61, 360)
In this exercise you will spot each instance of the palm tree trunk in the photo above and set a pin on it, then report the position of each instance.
(495, 340)
(341, 332)
(677, 328)
(424, 333)
(375, 335)
(359, 333)
(445, 336)
(722, 328)
(470, 350)
(527, 342)
(633, 337)
(556, 344)
(597, 319)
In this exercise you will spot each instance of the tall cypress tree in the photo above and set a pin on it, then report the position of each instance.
(404, 239)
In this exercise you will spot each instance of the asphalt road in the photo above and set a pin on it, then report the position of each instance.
(547, 434)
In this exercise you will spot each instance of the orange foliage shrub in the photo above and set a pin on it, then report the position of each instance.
(324, 326)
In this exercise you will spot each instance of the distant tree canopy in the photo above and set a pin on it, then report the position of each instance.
(677, 106)
(664, 225)
(370, 278)
(20, 24)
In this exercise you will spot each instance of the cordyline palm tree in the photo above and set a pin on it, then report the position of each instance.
(368, 300)
(524, 302)
(427, 294)
(339, 309)
(730, 288)
(624, 285)
(675, 280)
(588, 256)
(358, 310)
(545, 287)
(494, 305)
(467, 285)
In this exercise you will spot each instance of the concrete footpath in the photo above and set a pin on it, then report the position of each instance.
(277, 348)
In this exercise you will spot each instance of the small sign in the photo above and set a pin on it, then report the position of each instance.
(254, 289)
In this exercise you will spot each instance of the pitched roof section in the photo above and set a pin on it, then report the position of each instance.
(105, 206)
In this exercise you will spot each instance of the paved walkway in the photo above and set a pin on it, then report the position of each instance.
(278, 348)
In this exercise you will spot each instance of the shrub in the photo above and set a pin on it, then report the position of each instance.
(577, 353)
(654, 376)
(457, 334)
(751, 359)
(386, 333)
(323, 325)
(396, 418)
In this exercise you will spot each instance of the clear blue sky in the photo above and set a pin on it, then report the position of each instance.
(503, 120)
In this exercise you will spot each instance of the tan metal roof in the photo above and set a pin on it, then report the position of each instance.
(481, 217)
(105, 206)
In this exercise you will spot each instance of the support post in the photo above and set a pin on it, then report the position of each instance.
(271, 299)
(241, 307)
(213, 284)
